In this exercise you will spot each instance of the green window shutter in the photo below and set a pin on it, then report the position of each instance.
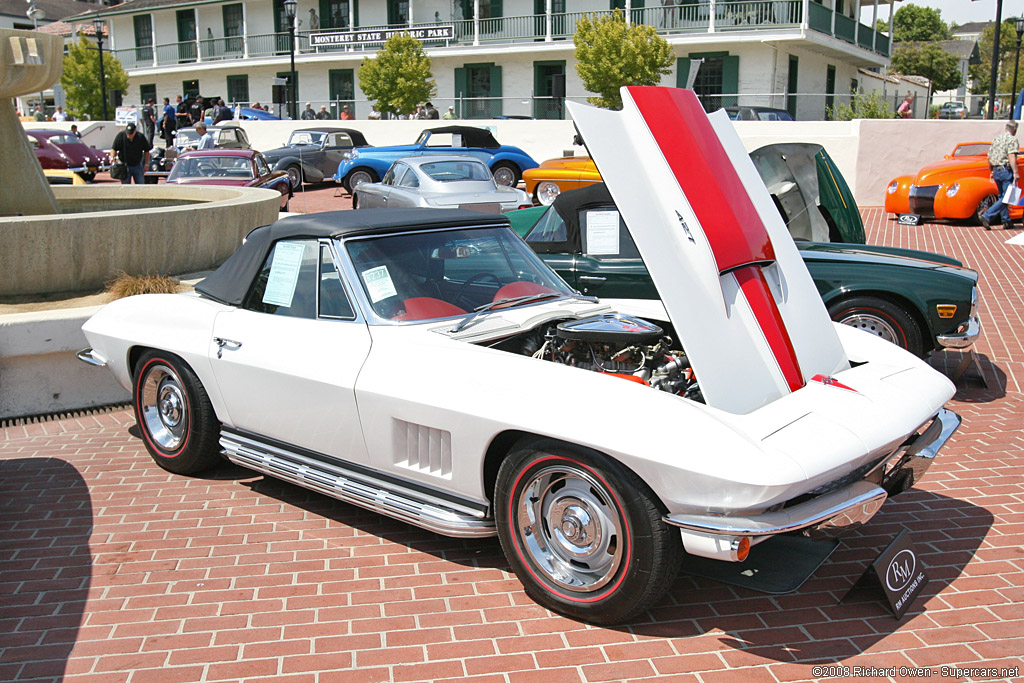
(730, 79)
(682, 71)
(460, 89)
(325, 14)
(355, 13)
(495, 74)
(496, 8)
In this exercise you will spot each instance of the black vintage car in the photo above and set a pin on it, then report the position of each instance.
(313, 154)
(225, 136)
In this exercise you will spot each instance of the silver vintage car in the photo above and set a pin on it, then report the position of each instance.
(436, 181)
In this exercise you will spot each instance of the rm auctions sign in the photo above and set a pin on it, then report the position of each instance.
(422, 33)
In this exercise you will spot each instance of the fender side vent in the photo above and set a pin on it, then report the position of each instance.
(423, 449)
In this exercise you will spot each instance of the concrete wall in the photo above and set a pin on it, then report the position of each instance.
(79, 251)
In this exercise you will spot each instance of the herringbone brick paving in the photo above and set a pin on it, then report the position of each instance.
(112, 570)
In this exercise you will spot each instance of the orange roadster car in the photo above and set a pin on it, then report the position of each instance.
(555, 176)
(956, 188)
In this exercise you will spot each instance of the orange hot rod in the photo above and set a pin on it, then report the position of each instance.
(956, 188)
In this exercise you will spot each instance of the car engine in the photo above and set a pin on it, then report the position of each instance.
(623, 346)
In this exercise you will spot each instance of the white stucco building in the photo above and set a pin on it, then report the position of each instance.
(501, 57)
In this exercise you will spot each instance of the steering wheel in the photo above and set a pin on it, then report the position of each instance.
(463, 288)
(205, 168)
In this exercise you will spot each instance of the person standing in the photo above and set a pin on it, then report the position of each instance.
(205, 139)
(430, 113)
(39, 115)
(197, 110)
(75, 132)
(450, 114)
(323, 114)
(132, 148)
(904, 111)
(221, 112)
(149, 120)
(168, 123)
(1002, 164)
(308, 114)
(59, 115)
(181, 113)
(374, 114)
(346, 114)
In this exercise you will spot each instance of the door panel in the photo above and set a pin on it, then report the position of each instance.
(293, 379)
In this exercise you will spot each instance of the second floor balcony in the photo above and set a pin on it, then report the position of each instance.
(734, 17)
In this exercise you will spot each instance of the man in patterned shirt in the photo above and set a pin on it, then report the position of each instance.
(1002, 164)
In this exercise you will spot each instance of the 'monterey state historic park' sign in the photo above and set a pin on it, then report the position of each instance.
(423, 33)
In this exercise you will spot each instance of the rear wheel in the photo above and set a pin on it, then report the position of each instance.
(881, 318)
(583, 533)
(357, 177)
(174, 413)
(505, 174)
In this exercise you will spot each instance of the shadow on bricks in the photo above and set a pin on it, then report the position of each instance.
(46, 519)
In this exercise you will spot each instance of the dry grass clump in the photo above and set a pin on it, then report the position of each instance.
(124, 285)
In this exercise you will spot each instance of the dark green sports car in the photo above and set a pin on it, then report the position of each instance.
(918, 300)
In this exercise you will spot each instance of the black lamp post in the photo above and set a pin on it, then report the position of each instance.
(289, 9)
(1016, 62)
(99, 24)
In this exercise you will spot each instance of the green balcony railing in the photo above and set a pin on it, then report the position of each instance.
(845, 28)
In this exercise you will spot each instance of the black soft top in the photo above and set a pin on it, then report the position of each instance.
(357, 137)
(230, 283)
(569, 204)
(471, 137)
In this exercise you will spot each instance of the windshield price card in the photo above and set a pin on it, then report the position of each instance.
(899, 572)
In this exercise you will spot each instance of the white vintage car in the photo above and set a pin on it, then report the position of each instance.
(426, 364)
(447, 181)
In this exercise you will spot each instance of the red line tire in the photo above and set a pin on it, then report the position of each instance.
(174, 414)
(583, 533)
(882, 318)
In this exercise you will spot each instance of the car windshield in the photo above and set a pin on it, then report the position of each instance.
(448, 273)
(306, 137)
(976, 149)
(234, 168)
(452, 171)
(550, 228)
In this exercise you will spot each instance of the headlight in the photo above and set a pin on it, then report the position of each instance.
(893, 186)
(952, 190)
(547, 192)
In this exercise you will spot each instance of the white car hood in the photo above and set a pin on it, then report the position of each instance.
(734, 286)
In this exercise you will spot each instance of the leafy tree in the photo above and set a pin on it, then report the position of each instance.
(81, 79)
(610, 54)
(881, 25)
(862, 106)
(928, 60)
(913, 23)
(399, 78)
(981, 73)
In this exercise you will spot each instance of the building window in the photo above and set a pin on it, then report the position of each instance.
(233, 17)
(336, 13)
(830, 91)
(147, 92)
(143, 37)
(341, 85)
(791, 85)
(717, 81)
(548, 89)
(478, 91)
(190, 88)
(238, 90)
(186, 22)
(398, 12)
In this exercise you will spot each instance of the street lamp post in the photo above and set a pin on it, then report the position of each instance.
(98, 24)
(289, 9)
(1016, 62)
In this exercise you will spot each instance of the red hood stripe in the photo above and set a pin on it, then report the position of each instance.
(766, 311)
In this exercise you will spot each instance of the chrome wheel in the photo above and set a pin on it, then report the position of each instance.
(568, 524)
(294, 176)
(872, 324)
(164, 407)
(504, 175)
(547, 192)
(357, 178)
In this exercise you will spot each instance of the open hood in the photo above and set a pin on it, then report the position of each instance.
(733, 284)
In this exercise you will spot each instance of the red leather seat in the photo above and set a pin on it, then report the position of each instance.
(520, 288)
(425, 308)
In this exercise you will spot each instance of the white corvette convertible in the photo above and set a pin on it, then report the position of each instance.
(427, 365)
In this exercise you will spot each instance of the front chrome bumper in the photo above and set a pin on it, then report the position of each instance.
(964, 337)
(838, 511)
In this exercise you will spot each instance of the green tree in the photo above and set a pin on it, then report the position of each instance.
(928, 60)
(610, 54)
(913, 23)
(399, 76)
(81, 79)
(981, 73)
(862, 106)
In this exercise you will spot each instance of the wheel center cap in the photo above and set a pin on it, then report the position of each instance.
(575, 524)
(170, 408)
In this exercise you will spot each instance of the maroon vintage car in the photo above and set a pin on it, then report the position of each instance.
(240, 167)
(64, 150)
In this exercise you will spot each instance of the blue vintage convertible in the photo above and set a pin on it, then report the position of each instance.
(369, 164)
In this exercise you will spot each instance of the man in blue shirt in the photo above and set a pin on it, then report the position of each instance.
(205, 139)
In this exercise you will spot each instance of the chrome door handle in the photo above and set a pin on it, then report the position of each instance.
(221, 343)
(592, 278)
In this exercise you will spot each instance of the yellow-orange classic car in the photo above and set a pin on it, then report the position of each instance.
(958, 187)
(556, 176)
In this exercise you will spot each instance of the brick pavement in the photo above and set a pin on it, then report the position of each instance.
(112, 570)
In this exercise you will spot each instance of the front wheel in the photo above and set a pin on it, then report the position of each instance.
(358, 177)
(178, 424)
(881, 318)
(505, 174)
(294, 176)
(583, 533)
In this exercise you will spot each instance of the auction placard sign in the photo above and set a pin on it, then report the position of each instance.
(899, 572)
(434, 32)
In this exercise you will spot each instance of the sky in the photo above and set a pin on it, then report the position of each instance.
(960, 11)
